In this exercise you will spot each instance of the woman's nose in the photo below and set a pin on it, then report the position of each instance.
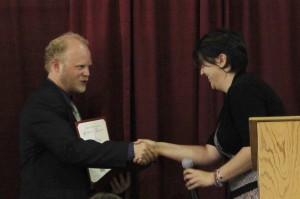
(201, 71)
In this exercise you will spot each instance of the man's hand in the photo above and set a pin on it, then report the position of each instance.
(144, 153)
(120, 184)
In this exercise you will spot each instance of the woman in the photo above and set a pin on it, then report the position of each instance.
(222, 57)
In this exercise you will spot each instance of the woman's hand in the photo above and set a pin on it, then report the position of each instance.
(197, 178)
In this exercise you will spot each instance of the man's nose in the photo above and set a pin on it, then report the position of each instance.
(86, 72)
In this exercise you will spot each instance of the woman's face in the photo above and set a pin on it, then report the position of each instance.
(215, 73)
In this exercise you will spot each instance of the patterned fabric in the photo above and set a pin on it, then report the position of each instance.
(249, 195)
(244, 185)
(242, 181)
(75, 111)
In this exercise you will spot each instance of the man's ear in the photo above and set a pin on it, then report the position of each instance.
(55, 65)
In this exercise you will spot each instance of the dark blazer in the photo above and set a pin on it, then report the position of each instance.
(53, 158)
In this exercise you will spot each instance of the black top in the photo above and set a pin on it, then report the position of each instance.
(248, 96)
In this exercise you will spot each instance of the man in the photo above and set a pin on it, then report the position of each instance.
(53, 158)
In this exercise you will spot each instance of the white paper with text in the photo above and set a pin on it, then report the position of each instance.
(94, 130)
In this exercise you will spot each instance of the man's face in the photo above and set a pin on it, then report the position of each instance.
(74, 67)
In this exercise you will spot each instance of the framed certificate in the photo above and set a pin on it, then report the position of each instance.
(94, 129)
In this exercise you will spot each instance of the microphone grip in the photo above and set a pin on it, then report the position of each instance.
(193, 194)
(188, 163)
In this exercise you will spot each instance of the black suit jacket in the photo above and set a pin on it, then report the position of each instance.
(53, 158)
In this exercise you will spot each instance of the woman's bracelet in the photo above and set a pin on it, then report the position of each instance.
(218, 178)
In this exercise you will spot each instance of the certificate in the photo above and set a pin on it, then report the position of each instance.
(94, 129)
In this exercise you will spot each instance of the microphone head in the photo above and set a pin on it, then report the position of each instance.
(187, 163)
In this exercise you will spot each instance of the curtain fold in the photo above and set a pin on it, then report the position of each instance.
(143, 81)
(26, 28)
(145, 92)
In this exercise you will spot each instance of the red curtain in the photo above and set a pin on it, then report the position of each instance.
(142, 80)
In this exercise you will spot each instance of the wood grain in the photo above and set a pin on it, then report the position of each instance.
(278, 156)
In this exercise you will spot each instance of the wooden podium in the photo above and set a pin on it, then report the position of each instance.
(275, 149)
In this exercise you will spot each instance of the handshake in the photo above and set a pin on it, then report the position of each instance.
(144, 152)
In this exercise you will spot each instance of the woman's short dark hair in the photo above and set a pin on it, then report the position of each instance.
(223, 41)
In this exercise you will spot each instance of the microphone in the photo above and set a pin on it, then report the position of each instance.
(188, 163)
